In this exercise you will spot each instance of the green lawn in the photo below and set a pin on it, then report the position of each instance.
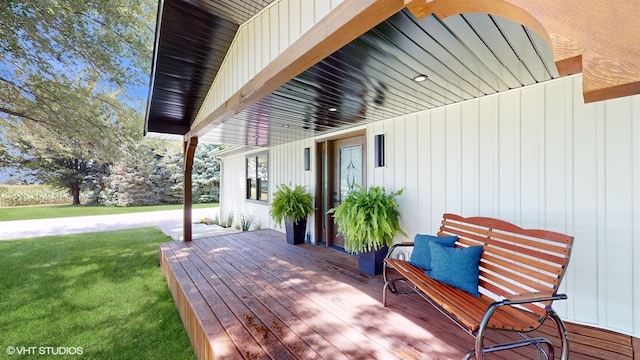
(58, 211)
(102, 292)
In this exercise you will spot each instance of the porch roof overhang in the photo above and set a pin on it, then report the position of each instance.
(357, 65)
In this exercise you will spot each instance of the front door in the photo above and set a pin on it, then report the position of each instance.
(345, 167)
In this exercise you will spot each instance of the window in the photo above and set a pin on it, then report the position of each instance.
(258, 177)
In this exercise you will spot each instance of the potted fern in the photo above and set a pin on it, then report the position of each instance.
(292, 204)
(368, 220)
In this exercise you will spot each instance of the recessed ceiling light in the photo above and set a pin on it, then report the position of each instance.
(285, 126)
(420, 78)
(333, 109)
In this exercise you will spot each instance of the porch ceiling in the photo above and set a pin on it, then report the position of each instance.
(370, 79)
(192, 39)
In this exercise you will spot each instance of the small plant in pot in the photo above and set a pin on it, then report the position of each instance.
(293, 204)
(368, 220)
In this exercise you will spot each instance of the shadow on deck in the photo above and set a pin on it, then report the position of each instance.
(253, 296)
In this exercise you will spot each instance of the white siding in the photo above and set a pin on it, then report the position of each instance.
(541, 158)
(538, 157)
(286, 165)
(233, 191)
(258, 42)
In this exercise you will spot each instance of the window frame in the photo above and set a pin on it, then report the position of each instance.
(256, 160)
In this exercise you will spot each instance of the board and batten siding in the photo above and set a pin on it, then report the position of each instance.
(540, 158)
(258, 42)
(286, 166)
(537, 157)
(233, 190)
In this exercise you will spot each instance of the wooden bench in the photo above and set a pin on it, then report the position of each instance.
(520, 271)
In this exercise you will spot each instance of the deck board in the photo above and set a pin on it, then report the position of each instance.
(253, 296)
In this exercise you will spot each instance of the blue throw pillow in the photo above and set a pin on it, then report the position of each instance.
(458, 267)
(421, 255)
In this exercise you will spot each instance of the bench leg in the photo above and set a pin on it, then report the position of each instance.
(562, 332)
(480, 350)
(390, 285)
(384, 293)
(536, 342)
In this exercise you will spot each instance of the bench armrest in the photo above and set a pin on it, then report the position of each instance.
(531, 297)
(395, 246)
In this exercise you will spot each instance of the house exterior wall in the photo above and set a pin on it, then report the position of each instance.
(537, 156)
(233, 190)
(259, 41)
(286, 165)
(540, 158)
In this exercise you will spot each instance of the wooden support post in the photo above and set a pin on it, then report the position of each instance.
(187, 199)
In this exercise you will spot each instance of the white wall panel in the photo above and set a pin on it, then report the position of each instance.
(412, 184)
(531, 156)
(250, 49)
(452, 156)
(618, 280)
(322, 8)
(635, 123)
(283, 31)
(438, 186)
(424, 219)
(399, 157)
(583, 275)
(295, 20)
(307, 15)
(469, 160)
(488, 156)
(508, 155)
(266, 37)
(274, 22)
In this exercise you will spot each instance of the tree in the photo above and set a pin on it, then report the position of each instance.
(153, 174)
(70, 78)
(71, 162)
(205, 174)
(145, 176)
(52, 50)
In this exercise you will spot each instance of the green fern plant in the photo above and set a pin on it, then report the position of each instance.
(291, 203)
(368, 219)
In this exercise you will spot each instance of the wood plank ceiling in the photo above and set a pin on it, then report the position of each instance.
(370, 79)
(192, 39)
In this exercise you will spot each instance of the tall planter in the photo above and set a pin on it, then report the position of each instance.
(293, 205)
(372, 261)
(368, 220)
(295, 231)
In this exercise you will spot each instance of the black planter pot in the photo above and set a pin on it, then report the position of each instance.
(295, 231)
(371, 262)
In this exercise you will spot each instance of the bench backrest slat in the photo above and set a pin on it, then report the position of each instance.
(514, 260)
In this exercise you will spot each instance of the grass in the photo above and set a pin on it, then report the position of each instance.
(59, 211)
(102, 292)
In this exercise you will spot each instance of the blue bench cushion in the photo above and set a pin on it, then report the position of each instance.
(421, 255)
(457, 267)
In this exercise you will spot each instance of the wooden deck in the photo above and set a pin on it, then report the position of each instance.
(253, 296)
